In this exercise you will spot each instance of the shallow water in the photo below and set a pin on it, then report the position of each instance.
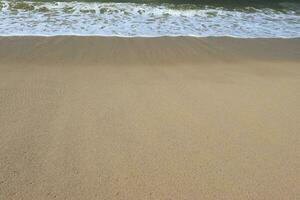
(149, 19)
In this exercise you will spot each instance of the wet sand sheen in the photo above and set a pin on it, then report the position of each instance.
(160, 118)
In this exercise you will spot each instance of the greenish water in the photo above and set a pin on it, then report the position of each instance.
(222, 3)
(237, 18)
(278, 5)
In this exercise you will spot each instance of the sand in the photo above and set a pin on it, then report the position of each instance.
(157, 118)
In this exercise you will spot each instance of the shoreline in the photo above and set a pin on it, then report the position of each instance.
(123, 18)
(187, 50)
(147, 36)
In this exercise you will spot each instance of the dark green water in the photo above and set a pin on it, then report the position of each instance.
(237, 18)
(280, 5)
(223, 3)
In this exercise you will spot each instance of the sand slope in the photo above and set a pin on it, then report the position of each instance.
(160, 118)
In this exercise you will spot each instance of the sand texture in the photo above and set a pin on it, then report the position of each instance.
(157, 118)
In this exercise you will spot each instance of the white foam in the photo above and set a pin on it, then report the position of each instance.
(133, 20)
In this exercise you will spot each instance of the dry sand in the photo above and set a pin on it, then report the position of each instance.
(161, 118)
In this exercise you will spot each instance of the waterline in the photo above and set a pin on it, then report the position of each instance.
(147, 20)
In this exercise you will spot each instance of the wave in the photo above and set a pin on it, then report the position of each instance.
(151, 20)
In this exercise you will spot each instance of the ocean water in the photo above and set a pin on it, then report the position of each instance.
(152, 18)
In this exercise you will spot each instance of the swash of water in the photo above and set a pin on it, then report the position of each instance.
(147, 19)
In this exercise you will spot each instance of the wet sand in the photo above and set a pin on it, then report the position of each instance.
(156, 118)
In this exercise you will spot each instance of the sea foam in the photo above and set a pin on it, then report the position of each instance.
(132, 20)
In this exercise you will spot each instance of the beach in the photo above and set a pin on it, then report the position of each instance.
(149, 118)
